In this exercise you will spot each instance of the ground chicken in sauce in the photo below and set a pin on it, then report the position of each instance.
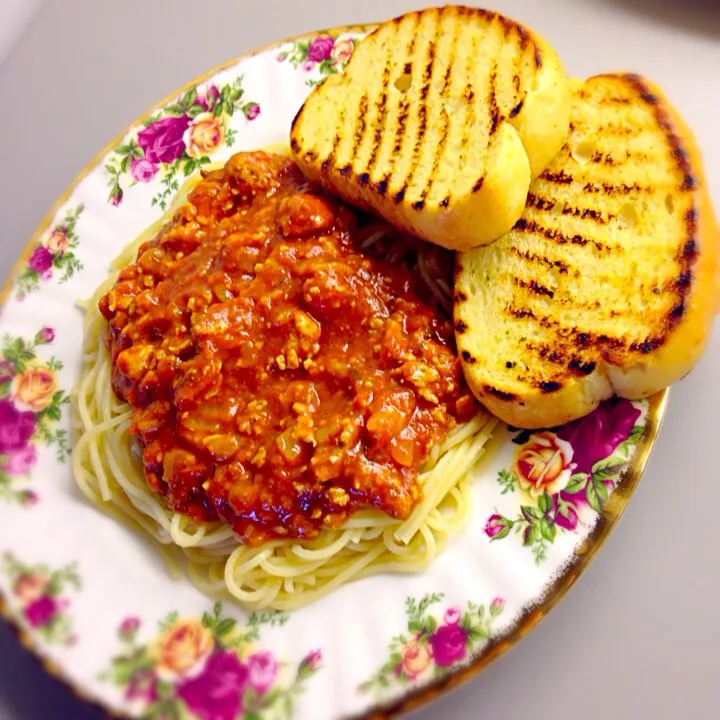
(280, 379)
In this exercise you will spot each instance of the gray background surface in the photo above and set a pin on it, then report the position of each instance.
(639, 636)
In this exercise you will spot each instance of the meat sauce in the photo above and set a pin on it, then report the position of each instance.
(280, 379)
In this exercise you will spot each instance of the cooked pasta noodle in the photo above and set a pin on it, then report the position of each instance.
(281, 573)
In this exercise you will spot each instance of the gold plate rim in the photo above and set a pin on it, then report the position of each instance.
(530, 617)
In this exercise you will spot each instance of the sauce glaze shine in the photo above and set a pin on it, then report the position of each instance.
(280, 379)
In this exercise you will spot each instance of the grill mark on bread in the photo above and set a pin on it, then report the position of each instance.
(557, 178)
(403, 107)
(380, 118)
(538, 57)
(600, 158)
(382, 186)
(539, 203)
(439, 152)
(579, 339)
(499, 394)
(548, 353)
(577, 366)
(620, 189)
(331, 156)
(585, 214)
(687, 255)
(469, 95)
(422, 125)
(448, 73)
(531, 257)
(648, 345)
(534, 287)
(444, 119)
(523, 35)
(533, 227)
(547, 205)
(612, 128)
(666, 124)
(360, 123)
(492, 103)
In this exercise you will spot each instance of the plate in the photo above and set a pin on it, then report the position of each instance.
(96, 603)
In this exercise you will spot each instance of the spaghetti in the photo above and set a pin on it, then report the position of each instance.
(281, 573)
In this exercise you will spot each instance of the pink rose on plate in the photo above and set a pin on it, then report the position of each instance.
(312, 661)
(320, 48)
(449, 645)
(28, 498)
(41, 260)
(142, 687)
(497, 606)
(208, 99)
(46, 335)
(263, 670)
(41, 612)
(129, 626)
(252, 111)
(16, 428)
(452, 616)
(142, 170)
(162, 141)
(595, 436)
(116, 196)
(7, 371)
(569, 520)
(57, 242)
(496, 527)
(343, 50)
(216, 694)
(20, 461)
(308, 65)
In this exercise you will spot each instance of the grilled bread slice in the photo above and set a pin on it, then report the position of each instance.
(609, 283)
(438, 123)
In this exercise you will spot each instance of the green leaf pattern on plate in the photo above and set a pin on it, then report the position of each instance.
(31, 404)
(40, 592)
(563, 473)
(208, 667)
(432, 643)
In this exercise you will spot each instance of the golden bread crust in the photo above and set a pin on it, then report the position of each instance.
(610, 281)
(438, 123)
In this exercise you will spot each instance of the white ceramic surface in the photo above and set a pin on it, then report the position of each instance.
(48, 319)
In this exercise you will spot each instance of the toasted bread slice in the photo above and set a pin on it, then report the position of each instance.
(609, 283)
(438, 123)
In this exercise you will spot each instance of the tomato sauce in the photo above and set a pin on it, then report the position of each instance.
(280, 379)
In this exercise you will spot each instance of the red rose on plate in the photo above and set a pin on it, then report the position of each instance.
(162, 141)
(449, 645)
(216, 694)
(41, 612)
(16, 427)
(320, 48)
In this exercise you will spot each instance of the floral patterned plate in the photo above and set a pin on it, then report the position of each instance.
(543, 501)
